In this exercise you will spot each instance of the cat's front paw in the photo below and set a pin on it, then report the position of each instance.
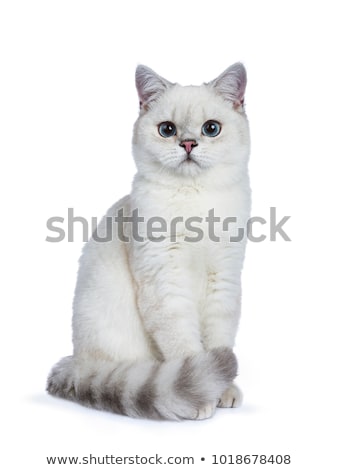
(231, 398)
(207, 411)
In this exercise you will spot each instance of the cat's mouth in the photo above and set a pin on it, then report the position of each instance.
(189, 160)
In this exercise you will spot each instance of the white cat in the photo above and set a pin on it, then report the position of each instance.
(156, 314)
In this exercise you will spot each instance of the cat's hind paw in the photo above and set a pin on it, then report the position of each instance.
(232, 397)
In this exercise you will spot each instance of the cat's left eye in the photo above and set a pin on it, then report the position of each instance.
(211, 128)
(167, 129)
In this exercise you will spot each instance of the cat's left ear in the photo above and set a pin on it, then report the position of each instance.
(231, 84)
(149, 85)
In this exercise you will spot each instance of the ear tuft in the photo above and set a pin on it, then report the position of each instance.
(231, 84)
(149, 85)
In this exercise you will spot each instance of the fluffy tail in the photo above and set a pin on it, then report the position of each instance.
(175, 389)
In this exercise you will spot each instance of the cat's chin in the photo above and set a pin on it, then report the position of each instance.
(193, 166)
(189, 167)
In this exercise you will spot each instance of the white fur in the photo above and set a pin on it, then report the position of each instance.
(144, 300)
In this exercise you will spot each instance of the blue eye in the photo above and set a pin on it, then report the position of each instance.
(167, 129)
(211, 128)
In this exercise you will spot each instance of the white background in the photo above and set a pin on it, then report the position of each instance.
(67, 108)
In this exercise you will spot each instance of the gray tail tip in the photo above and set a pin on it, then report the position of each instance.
(226, 362)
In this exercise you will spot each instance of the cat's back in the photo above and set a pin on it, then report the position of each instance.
(104, 255)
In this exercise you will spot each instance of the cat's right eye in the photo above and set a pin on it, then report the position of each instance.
(211, 128)
(167, 129)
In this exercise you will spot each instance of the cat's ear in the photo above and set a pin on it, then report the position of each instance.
(149, 85)
(231, 84)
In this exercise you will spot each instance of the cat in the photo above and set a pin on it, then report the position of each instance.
(154, 320)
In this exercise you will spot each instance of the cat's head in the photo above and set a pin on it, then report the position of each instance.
(189, 131)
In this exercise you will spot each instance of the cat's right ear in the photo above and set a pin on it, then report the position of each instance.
(149, 85)
(231, 85)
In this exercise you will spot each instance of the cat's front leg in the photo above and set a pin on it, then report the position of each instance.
(221, 313)
(165, 298)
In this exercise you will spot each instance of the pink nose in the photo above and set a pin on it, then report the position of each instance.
(188, 145)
